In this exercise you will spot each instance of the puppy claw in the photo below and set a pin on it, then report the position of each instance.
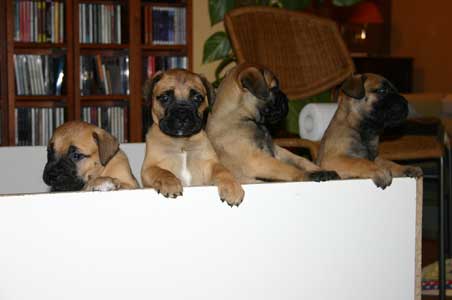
(412, 171)
(231, 192)
(169, 187)
(382, 178)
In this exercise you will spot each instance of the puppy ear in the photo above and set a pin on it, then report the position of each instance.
(354, 86)
(253, 80)
(148, 87)
(107, 145)
(210, 90)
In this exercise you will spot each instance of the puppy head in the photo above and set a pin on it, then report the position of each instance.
(77, 152)
(180, 100)
(375, 99)
(262, 93)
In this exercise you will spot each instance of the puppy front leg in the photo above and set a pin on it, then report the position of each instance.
(399, 170)
(163, 181)
(317, 174)
(267, 168)
(229, 188)
(353, 167)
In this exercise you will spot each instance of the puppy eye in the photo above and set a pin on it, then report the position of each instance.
(163, 98)
(50, 153)
(76, 156)
(382, 90)
(198, 98)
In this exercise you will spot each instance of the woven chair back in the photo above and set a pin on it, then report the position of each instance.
(306, 52)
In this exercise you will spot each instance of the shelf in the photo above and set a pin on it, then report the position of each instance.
(104, 46)
(164, 47)
(103, 1)
(40, 51)
(164, 4)
(40, 98)
(28, 45)
(104, 97)
(42, 103)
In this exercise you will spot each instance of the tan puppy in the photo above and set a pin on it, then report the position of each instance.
(366, 105)
(248, 100)
(81, 156)
(178, 152)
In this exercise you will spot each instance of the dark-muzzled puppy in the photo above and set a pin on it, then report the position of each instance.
(178, 152)
(81, 156)
(248, 100)
(367, 104)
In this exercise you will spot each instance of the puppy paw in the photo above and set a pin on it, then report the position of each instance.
(169, 186)
(382, 178)
(230, 191)
(102, 184)
(411, 171)
(323, 175)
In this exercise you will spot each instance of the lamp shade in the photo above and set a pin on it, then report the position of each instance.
(365, 13)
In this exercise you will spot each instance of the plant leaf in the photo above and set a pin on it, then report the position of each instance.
(216, 47)
(345, 2)
(217, 9)
(295, 4)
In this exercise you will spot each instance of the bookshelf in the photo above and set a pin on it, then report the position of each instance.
(85, 60)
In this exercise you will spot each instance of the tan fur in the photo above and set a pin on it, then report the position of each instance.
(233, 133)
(80, 134)
(162, 169)
(336, 148)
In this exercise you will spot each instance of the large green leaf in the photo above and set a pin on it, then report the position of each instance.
(216, 47)
(345, 2)
(217, 9)
(295, 4)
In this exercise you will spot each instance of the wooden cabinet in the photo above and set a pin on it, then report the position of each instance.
(83, 60)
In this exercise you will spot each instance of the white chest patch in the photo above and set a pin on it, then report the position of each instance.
(185, 175)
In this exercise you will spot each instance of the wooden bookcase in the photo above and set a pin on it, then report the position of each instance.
(132, 46)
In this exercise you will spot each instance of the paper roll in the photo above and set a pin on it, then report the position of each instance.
(314, 119)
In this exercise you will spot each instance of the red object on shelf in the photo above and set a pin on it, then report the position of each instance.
(366, 12)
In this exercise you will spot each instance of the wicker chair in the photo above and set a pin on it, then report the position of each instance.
(309, 56)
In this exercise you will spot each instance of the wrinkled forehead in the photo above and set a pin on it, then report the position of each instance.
(79, 136)
(181, 83)
(374, 81)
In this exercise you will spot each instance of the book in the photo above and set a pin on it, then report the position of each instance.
(168, 25)
(100, 23)
(38, 74)
(35, 126)
(110, 118)
(38, 21)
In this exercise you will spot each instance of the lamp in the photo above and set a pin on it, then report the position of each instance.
(365, 13)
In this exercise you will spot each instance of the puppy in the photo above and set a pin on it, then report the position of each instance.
(248, 100)
(81, 156)
(178, 152)
(366, 105)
